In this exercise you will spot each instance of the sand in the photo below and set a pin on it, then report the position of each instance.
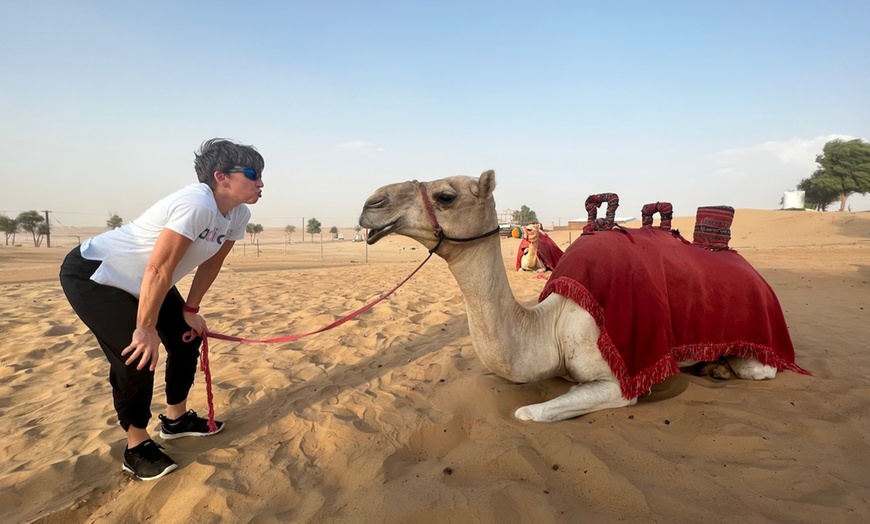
(392, 418)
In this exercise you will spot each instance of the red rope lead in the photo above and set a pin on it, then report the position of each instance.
(203, 364)
(289, 338)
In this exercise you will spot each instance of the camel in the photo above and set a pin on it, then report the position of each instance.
(537, 252)
(456, 218)
(529, 261)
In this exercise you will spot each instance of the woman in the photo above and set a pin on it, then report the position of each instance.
(121, 284)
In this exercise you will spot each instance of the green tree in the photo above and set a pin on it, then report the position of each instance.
(820, 191)
(848, 165)
(114, 221)
(289, 230)
(253, 230)
(9, 226)
(334, 231)
(30, 221)
(313, 227)
(524, 216)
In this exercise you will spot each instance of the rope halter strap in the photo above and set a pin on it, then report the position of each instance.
(439, 232)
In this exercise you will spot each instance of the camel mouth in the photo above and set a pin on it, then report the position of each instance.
(377, 233)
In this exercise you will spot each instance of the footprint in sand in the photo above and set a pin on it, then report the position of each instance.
(58, 331)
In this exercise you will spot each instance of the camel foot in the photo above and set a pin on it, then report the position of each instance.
(719, 370)
(528, 413)
(750, 369)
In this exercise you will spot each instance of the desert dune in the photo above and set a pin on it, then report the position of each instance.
(390, 417)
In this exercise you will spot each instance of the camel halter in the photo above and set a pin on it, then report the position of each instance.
(439, 232)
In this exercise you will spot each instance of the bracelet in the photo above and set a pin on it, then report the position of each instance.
(190, 309)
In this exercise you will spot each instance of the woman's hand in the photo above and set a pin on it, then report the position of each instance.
(196, 322)
(145, 347)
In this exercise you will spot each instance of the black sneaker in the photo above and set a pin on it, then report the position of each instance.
(187, 425)
(147, 462)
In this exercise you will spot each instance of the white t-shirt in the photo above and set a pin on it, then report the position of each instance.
(191, 212)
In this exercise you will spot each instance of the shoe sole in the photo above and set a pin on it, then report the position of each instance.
(170, 436)
(169, 469)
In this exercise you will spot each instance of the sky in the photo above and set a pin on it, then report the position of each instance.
(103, 103)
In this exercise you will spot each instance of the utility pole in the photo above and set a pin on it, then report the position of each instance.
(47, 229)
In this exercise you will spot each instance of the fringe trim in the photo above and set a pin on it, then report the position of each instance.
(637, 385)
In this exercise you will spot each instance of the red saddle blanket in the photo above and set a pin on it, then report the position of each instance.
(659, 300)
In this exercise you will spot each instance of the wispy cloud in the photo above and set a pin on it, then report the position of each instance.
(791, 160)
(754, 176)
(361, 145)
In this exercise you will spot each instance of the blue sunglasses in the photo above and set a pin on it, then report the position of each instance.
(249, 173)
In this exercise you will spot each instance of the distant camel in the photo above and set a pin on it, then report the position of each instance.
(537, 251)
(456, 218)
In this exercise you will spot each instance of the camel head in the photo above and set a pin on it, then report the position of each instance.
(463, 207)
(532, 230)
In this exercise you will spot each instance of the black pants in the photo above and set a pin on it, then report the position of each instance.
(110, 313)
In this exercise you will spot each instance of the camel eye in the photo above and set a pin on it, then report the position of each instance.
(445, 198)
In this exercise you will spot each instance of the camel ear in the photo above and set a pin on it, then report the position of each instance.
(486, 184)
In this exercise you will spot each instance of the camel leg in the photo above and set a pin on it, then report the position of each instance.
(579, 400)
(750, 369)
(529, 262)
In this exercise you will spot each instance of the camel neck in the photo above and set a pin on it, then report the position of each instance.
(480, 272)
(533, 249)
(504, 333)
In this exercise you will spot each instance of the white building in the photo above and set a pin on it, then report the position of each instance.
(793, 199)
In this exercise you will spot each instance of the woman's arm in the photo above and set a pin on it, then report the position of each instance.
(168, 251)
(206, 273)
